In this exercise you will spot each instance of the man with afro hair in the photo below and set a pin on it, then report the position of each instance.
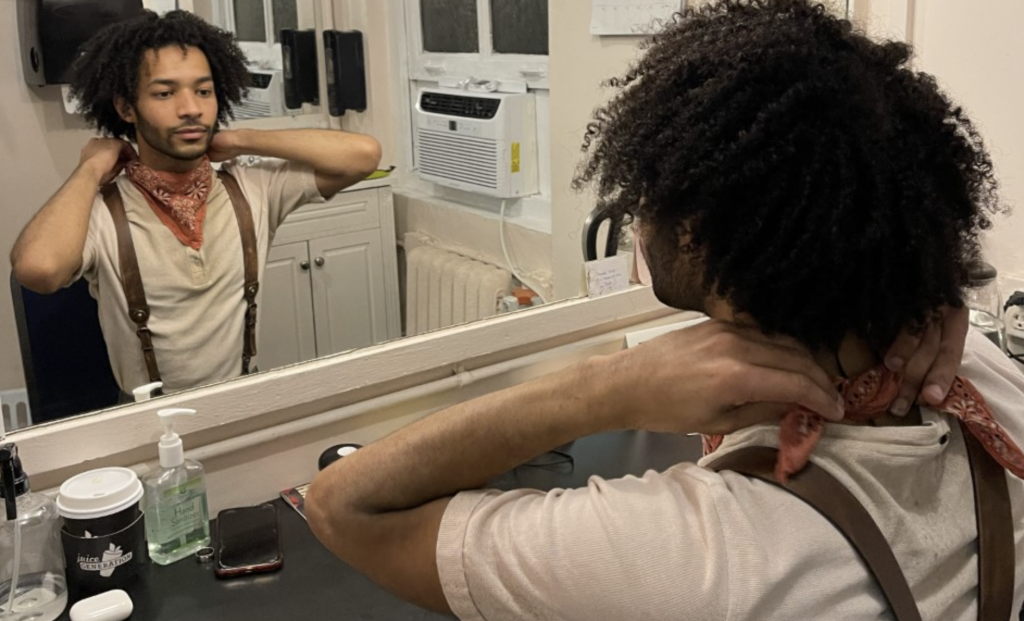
(813, 195)
(160, 89)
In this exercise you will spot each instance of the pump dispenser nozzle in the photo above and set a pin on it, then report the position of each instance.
(13, 479)
(148, 391)
(172, 452)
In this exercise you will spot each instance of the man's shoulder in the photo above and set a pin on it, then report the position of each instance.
(252, 166)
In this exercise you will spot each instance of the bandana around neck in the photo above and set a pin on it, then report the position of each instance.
(178, 199)
(868, 396)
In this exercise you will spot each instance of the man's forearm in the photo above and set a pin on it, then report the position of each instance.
(329, 152)
(465, 446)
(49, 249)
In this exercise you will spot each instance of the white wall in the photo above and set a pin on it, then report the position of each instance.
(974, 50)
(579, 62)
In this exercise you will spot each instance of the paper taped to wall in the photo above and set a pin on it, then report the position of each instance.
(631, 17)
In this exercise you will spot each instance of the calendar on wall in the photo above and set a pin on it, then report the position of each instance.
(631, 17)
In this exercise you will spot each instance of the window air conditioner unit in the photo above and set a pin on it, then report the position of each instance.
(265, 97)
(478, 142)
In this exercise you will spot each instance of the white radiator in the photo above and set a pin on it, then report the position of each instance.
(444, 289)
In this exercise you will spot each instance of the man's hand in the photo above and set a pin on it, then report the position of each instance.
(929, 359)
(49, 250)
(715, 378)
(105, 158)
(223, 146)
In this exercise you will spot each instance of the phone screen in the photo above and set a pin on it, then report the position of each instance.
(247, 540)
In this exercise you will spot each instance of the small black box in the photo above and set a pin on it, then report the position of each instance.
(51, 31)
(346, 71)
(301, 84)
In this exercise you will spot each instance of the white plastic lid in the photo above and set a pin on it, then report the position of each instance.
(98, 493)
(112, 605)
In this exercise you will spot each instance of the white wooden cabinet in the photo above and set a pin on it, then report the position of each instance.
(331, 280)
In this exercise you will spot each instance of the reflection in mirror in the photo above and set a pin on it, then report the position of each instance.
(391, 256)
(279, 39)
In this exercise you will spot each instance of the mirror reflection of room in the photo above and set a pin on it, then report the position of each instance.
(456, 225)
(265, 31)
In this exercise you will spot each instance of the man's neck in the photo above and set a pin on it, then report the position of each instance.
(853, 357)
(158, 161)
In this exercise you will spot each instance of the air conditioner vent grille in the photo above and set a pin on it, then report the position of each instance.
(459, 105)
(459, 158)
(260, 80)
(250, 109)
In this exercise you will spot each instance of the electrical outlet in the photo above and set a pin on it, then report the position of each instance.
(14, 410)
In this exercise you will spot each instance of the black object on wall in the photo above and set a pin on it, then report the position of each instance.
(298, 47)
(51, 31)
(346, 71)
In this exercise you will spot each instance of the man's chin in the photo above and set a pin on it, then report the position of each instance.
(190, 154)
(674, 300)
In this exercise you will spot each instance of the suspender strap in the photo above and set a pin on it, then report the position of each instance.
(131, 280)
(243, 214)
(995, 531)
(828, 496)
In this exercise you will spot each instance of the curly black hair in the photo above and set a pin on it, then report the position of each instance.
(108, 65)
(825, 187)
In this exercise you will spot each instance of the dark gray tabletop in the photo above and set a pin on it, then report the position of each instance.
(313, 584)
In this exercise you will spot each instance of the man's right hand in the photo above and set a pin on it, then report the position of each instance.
(105, 158)
(714, 378)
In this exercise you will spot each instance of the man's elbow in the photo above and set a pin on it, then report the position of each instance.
(368, 156)
(40, 275)
(327, 525)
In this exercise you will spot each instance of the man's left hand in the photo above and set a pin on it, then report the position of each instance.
(929, 359)
(223, 146)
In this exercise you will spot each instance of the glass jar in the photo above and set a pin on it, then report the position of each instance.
(982, 300)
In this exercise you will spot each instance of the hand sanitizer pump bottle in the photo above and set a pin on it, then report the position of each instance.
(177, 517)
(32, 585)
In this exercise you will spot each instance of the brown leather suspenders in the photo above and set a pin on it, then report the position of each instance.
(131, 279)
(251, 261)
(821, 490)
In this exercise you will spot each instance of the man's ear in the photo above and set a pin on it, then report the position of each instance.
(124, 109)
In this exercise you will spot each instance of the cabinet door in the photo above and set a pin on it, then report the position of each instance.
(348, 291)
(285, 319)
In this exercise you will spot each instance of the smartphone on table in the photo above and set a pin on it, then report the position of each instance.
(248, 541)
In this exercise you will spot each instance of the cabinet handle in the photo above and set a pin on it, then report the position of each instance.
(304, 265)
(319, 261)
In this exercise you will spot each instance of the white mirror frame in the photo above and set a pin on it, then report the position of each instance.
(233, 411)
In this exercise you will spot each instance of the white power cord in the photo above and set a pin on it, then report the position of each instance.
(508, 261)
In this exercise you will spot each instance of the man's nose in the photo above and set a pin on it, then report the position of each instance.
(188, 105)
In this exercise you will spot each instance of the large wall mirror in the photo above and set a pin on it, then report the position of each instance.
(422, 248)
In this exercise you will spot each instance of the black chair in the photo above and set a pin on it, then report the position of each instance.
(67, 370)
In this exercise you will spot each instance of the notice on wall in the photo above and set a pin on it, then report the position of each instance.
(631, 17)
(606, 276)
(160, 6)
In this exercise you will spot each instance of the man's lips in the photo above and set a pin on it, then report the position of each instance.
(191, 133)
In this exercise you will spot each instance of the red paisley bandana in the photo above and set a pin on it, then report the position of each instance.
(178, 199)
(867, 396)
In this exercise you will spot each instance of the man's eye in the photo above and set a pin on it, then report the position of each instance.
(205, 92)
(162, 94)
